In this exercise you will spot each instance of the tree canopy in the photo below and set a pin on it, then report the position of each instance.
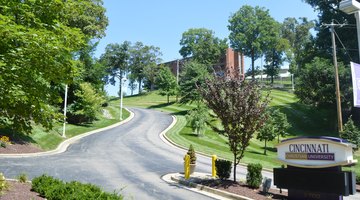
(316, 84)
(251, 29)
(202, 45)
(166, 82)
(143, 57)
(193, 75)
(240, 107)
(37, 47)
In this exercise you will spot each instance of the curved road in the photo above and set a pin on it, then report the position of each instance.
(130, 157)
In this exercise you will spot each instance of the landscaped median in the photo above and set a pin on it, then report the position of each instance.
(202, 182)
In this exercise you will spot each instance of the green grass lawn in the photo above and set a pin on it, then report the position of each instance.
(48, 140)
(305, 121)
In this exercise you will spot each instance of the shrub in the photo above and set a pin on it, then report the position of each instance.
(223, 168)
(351, 133)
(3, 183)
(191, 153)
(54, 189)
(22, 178)
(86, 105)
(44, 183)
(4, 140)
(253, 176)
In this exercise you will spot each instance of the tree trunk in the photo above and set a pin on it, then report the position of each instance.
(140, 90)
(253, 64)
(168, 98)
(234, 167)
(265, 148)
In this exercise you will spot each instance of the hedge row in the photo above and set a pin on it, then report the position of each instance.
(55, 189)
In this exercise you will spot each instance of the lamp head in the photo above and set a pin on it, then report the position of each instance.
(349, 6)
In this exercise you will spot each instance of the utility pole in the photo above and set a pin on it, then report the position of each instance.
(337, 87)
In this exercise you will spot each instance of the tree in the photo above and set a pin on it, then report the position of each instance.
(351, 133)
(37, 56)
(282, 124)
(250, 31)
(132, 83)
(240, 107)
(198, 118)
(267, 132)
(201, 45)
(328, 12)
(142, 57)
(86, 106)
(151, 72)
(275, 125)
(274, 52)
(87, 15)
(166, 82)
(300, 39)
(116, 59)
(192, 76)
(316, 84)
(92, 70)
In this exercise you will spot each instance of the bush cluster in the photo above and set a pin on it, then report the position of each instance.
(223, 168)
(55, 189)
(254, 176)
(3, 183)
(4, 140)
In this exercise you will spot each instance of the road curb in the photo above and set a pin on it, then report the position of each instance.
(65, 144)
(167, 140)
(200, 187)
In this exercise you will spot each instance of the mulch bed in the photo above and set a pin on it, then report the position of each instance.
(18, 191)
(243, 190)
(19, 148)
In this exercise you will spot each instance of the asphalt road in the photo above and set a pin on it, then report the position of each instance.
(130, 158)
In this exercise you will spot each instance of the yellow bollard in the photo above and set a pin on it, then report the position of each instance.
(213, 171)
(187, 167)
(184, 165)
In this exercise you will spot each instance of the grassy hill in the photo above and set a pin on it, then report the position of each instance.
(305, 121)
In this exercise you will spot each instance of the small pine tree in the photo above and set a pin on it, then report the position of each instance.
(191, 153)
(351, 133)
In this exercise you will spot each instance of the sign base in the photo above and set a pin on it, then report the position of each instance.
(301, 195)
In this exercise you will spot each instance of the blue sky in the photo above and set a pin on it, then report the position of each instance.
(161, 22)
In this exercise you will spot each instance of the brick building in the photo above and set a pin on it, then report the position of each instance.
(230, 65)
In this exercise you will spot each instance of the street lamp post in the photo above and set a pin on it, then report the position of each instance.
(65, 106)
(352, 7)
(123, 80)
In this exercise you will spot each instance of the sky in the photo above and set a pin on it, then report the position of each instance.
(161, 23)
